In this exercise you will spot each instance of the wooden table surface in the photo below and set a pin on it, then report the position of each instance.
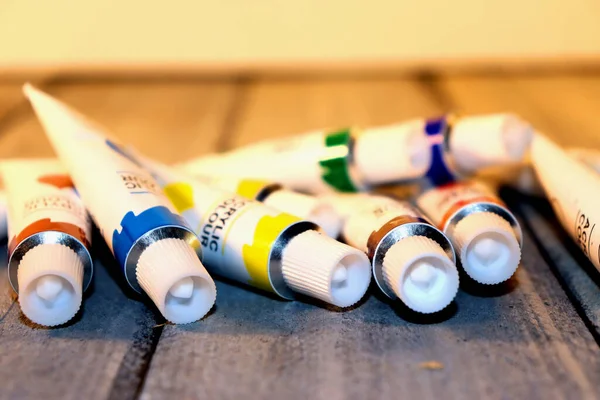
(536, 337)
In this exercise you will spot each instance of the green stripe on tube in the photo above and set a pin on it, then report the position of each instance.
(335, 162)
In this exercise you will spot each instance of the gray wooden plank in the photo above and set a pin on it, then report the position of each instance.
(105, 351)
(524, 341)
(81, 359)
(578, 276)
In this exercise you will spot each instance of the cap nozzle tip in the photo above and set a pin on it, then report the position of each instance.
(183, 288)
(418, 271)
(49, 287)
(488, 249)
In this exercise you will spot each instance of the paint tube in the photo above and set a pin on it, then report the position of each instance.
(485, 234)
(49, 263)
(463, 146)
(324, 161)
(411, 259)
(274, 195)
(573, 190)
(252, 243)
(155, 248)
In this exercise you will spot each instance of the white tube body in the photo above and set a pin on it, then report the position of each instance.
(310, 208)
(47, 216)
(373, 213)
(573, 190)
(590, 157)
(325, 161)
(131, 211)
(296, 162)
(345, 204)
(441, 203)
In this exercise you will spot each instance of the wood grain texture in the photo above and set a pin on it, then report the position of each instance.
(577, 274)
(524, 341)
(276, 108)
(170, 121)
(10, 95)
(81, 359)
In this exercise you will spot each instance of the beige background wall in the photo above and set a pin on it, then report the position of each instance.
(242, 34)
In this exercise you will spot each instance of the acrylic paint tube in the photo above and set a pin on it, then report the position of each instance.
(411, 259)
(274, 195)
(343, 160)
(49, 263)
(154, 246)
(573, 190)
(251, 243)
(485, 234)
(461, 147)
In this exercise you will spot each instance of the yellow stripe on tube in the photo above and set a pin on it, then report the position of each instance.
(256, 256)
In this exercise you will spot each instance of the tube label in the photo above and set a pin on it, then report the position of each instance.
(237, 234)
(121, 196)
(440, 172)
(375, 218)
(441, 203)
(41, 198)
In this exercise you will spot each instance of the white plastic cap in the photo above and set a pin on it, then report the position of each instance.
(392, 153)
(489, 140)
(420, 273)
(487, 247)
(172, 276)
(50, 278)
(307, 207)
(321, 267)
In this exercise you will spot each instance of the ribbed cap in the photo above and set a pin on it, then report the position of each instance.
(50, 278)
(420, 273)
(489, 140)
(321, 267)
(391, 153)
(171, 274)
(307, 207)
(488, 249)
